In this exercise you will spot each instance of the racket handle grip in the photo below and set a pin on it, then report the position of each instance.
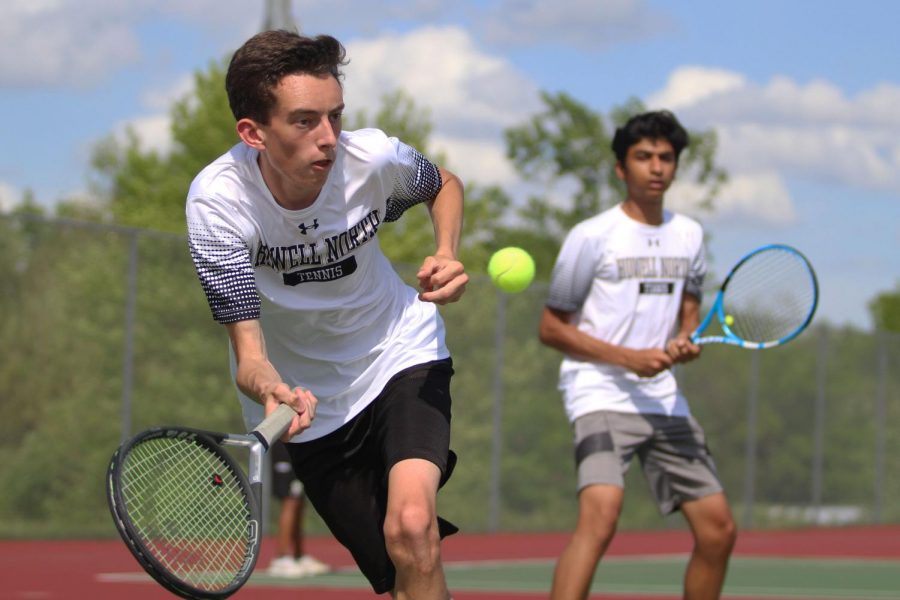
(274, 425)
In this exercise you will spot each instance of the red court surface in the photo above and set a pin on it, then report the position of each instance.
(57, 570)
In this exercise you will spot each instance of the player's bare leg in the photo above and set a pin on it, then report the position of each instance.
(714, 535)
(289, 541)
(411, 531)
(599, 507)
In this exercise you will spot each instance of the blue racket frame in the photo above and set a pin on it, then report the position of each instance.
(718, 309)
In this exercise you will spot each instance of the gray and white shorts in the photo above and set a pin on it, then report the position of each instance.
(673, 453)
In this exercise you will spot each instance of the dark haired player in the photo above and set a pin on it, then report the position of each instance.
(624, 298)
(283, 232)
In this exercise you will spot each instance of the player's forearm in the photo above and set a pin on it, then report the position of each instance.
(568, 339)
(255, 376)
(447, 215)
(257, 379)
(584, 347)
(688, 316)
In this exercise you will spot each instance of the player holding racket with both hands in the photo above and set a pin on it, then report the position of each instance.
(283, 234)
(624, 299)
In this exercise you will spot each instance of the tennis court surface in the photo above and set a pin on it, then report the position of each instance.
(859, 563)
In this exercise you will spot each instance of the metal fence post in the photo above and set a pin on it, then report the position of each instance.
(818, 458)
(880, 428)
(750, 448)
(128, 351)
(497, 433)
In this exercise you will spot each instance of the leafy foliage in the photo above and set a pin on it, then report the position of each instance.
(62, 378)
(567, 150)
(66, 292)
(885, 310)
(147, 188)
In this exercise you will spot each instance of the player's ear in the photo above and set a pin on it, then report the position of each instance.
(251, 134)
(620, 170)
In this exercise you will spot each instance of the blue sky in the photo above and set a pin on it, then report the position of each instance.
(803, 94)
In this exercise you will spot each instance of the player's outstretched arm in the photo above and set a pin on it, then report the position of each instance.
(442, 277)
(259, 380)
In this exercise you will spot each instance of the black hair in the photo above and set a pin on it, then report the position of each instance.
(654, 125)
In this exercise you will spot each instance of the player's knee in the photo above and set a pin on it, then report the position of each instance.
(599, 526)
(411, 532)
(728, 534)
(604, 529)
(718, 537)
(599, 520)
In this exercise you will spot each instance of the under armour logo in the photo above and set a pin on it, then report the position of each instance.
(303, 227)
(650, 241)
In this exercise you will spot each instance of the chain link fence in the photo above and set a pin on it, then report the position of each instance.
(105, 331)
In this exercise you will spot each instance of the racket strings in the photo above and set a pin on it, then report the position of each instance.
(769, 296)
(177, 521)
(189, 508)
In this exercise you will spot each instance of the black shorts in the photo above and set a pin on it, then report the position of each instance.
(345, 473)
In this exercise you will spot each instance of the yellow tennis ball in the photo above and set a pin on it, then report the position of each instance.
(729, 320)
(511, 269)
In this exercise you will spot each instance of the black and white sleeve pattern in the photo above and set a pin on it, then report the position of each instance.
(573, 273)
(222, 261)
(417, 180)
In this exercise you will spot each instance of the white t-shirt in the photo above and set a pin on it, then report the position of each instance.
(336, 317)
(623, 280)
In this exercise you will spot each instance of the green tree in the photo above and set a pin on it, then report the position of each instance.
(885, 310)
(146, 188)
(409, 238)
(567, 147)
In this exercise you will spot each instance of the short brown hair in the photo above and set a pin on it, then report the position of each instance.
(260, 64)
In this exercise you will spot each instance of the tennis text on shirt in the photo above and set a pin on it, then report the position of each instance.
(287, 258)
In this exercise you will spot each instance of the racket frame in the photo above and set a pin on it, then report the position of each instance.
(718, 309)
(257, 442)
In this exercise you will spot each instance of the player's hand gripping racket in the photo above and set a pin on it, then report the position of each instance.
(185, 509)
(768, 298)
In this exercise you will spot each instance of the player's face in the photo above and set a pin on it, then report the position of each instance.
(649, 169)
(301, 138)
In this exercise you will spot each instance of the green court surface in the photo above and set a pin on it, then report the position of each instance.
(747, 577)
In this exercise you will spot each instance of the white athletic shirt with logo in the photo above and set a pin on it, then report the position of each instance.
(336, 316)
(623, 280)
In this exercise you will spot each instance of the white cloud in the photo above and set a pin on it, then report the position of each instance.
(58, 43)
(9, 197)
(358, 14)
(586, 24)
(153, 131)
(481, 161)
(842, 154)
(690, 85)
(471, 96)
(49, 43)
(760, 196)
(77, 44)
(162, 99)
(786, 129)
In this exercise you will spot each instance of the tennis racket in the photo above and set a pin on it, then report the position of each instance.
(768, 298)
(186, 510)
